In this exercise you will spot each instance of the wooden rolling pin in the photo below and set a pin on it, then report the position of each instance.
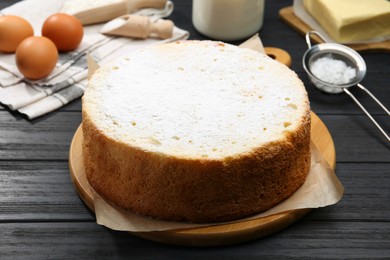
(92, 12)
(137, 26)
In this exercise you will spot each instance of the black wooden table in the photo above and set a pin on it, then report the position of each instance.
(41, 215)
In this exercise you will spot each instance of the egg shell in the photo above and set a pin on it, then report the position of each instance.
(36, 57)
(13, 30)
(66, 31)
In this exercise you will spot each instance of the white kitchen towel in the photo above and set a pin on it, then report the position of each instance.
(68, 80)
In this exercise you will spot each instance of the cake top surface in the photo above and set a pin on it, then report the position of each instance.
(196, 99)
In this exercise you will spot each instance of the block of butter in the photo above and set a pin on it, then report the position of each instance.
(349, 21)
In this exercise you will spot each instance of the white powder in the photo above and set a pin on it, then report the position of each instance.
(196, 99)
(332, 71)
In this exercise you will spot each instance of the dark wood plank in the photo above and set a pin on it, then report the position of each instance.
(274, 33)
(49, 137)
(338, 104)
(88, 240)
(321, 103)
(277, 34)
(5, 3)
(41, 215)
(356, 138)
(35, 190)
(42, 191)
(366, 194)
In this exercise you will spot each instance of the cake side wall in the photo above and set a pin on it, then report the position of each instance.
(172, 188)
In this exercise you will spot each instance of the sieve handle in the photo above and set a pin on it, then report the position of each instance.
(308, 40)
(374, 98)
(365, 111)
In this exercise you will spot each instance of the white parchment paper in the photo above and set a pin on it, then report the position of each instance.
(321, 188)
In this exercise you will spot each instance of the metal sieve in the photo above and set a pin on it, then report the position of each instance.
(351, 58)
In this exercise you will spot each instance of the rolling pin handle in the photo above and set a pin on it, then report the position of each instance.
(133, 5)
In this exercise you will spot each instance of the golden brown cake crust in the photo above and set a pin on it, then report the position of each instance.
(149, 156)
(201, 190)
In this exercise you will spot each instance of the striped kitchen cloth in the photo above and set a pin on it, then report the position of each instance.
(68, 80)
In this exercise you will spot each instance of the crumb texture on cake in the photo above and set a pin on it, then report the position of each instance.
(197, 131)
(166, 99)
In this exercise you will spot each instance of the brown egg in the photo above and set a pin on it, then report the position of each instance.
(36, 57)
(66, 31)
(13, 30)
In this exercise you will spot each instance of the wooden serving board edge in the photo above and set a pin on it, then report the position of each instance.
(220, 235)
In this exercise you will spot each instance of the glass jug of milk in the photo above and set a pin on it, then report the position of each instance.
(227, 20)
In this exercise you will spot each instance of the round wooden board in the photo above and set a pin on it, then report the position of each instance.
(225, 234)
